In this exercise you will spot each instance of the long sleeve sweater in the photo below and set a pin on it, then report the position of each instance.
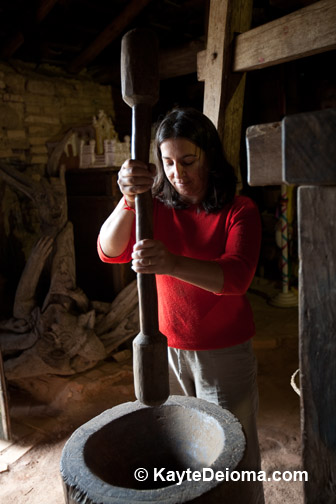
(191, 317)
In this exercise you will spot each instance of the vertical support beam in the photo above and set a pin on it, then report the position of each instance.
(224, 90)
(317, 328)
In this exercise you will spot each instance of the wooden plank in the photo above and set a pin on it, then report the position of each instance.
(308, 31)
(317, 323)
(17, 450)
(264, 156)
(223, 90)
(111, 32)
(309, 148)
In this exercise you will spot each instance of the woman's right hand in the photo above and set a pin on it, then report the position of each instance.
(135, 177)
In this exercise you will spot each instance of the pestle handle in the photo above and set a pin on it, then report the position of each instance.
(140, 90)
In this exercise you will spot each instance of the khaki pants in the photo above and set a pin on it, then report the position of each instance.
(227, 377)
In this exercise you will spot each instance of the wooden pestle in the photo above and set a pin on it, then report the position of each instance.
(140, 90)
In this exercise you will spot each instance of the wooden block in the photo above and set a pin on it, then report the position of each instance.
(317, 323)
(264, 158)
(309, 148)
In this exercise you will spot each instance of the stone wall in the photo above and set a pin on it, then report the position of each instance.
(40, 106)
(36, 106)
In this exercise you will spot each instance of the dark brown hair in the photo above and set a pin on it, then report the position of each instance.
(197, 128)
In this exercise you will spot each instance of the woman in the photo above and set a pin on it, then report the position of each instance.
(204, 254)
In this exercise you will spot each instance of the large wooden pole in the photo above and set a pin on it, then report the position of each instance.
(140, 89)
(317, 326)
(223, 89)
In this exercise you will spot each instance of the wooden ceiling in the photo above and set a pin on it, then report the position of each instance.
(86, 34)
(79, 35)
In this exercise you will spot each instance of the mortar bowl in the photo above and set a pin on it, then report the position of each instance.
(135, 453)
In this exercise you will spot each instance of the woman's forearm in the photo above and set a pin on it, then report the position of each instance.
(116, 231)
(152, 256)
(207, 275)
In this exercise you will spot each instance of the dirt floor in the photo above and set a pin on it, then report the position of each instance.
(42, 422)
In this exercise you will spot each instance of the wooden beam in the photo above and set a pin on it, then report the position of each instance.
(308, 31)
(264, 155)
(317, 323)
(223, 90)
(17, 39)
(309, 148)
(173, 63)
(179, 61)
(111, 32)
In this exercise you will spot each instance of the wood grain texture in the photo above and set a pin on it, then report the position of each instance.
(305, 32)
(309, 148)
(264, 157)
(317, 328)
(223, 90)
(140, 83)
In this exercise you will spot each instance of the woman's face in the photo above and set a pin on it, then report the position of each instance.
(186, 168)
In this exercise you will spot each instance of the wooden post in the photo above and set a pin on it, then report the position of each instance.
(224, 90)
(317, 327)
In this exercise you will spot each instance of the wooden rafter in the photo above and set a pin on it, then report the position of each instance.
(17, 39)
(179, 61)
(111, 32)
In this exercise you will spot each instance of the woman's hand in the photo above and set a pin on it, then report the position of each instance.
(151, 256)
(135, 177)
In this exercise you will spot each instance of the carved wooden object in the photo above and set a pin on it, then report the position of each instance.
(65, 333)
(140, 86)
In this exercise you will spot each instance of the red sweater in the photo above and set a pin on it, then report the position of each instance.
(193, 318)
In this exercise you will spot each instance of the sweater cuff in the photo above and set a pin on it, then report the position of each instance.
(237, 276)
(122, 258)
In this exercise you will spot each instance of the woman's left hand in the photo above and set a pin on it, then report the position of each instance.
(151, 256)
